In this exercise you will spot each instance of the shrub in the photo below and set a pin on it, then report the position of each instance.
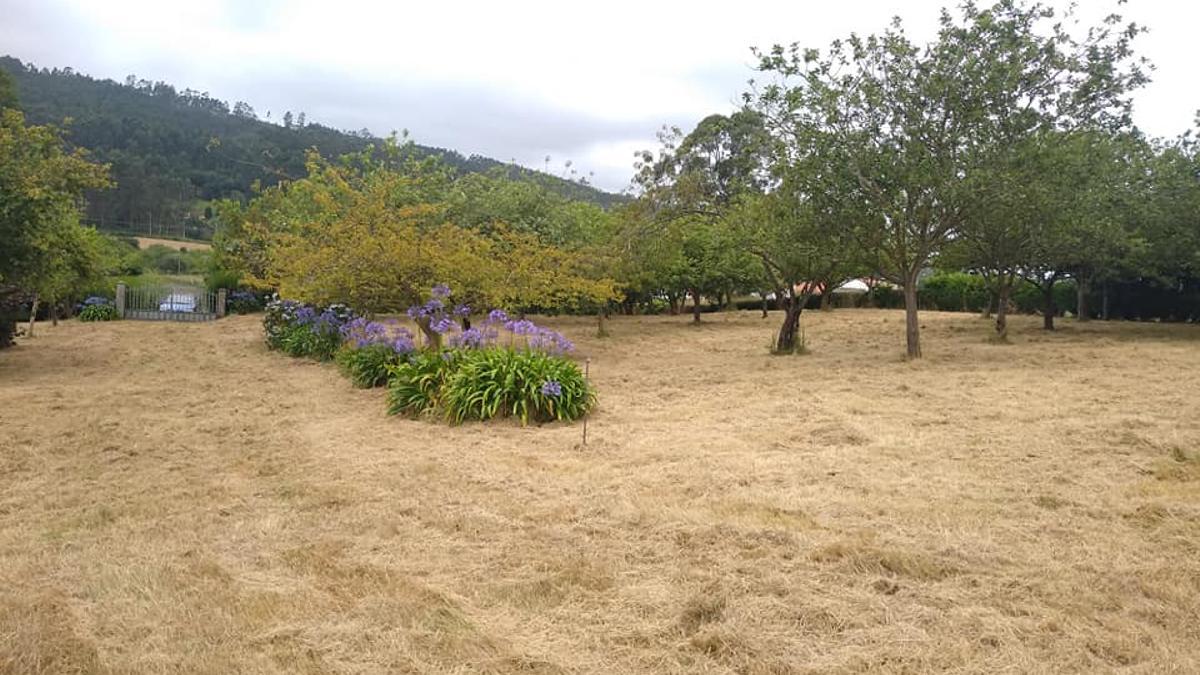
(369, 348)
(955, 292)
(302, 330)
(243, 302)
(98, 312)
(217, 278)
(527, 384)
(415, 386)
(316, 340)
(367, 366)
(885, 297)
(280, 315)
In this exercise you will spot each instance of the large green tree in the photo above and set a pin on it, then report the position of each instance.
(687, 191)
(901, 128)
(42, 247)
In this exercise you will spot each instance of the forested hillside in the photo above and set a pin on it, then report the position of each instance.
(172, 151)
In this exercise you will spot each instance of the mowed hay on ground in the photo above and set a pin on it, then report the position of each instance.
(173, 497)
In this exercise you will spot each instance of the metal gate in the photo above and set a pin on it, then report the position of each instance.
(170, 303)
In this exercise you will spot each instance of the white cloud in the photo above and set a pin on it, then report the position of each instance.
(527, 78)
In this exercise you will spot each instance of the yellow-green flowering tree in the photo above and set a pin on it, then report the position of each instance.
(377, 234)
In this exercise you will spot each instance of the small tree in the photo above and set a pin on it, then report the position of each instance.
(802, 251)
(42, 246)
(687, 191)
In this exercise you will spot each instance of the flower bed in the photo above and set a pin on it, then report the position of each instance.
(501, 368)
(243, 302)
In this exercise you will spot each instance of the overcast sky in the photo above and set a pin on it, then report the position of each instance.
(512, 80)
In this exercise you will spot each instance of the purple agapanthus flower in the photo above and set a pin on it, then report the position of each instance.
(441, 291)
(473, 338)
(362, 332)
(552, 388)
(326, 322)
(403, 344)
(427, 310)
(521, 327)
(462, 311)
(306, 315)
(497, 316)
(550, 341)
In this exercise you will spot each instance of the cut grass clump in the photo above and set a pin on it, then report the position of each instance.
(1179, 465)
(707, 607)
(865, 558)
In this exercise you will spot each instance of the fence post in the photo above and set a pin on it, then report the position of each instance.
(220, 302)
(121, 299)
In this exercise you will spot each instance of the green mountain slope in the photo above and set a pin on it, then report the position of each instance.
(174, 150)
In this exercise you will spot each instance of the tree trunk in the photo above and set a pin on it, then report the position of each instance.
(601, 327)
(433, 339)
(54, 314)
(786, 342)
(912, 323)
(695, 305)
(674, 304)
(764, 305)
(1048, 307)
(826, 298)
(1083, 286)
(32, 315)
(1002, 311)
(1104, 302)
(988, 304)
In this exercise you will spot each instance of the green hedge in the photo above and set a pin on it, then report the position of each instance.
(954, 292)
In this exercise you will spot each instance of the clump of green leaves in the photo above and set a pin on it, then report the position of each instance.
(415, 386)
(99, 313)
(481, 384)
(527, 384)
(367, 366)
(302, 340)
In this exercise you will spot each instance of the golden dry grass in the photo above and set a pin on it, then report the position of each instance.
(174, 498)
(175, 244)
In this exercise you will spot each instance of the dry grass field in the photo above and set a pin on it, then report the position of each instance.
(174, 244)
(174, 498)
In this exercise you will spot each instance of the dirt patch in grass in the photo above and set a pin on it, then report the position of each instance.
(173, 497)
(175, 244)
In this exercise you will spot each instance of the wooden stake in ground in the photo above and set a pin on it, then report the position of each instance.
(587, 367)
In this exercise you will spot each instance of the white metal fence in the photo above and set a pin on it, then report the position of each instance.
(170, 303)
